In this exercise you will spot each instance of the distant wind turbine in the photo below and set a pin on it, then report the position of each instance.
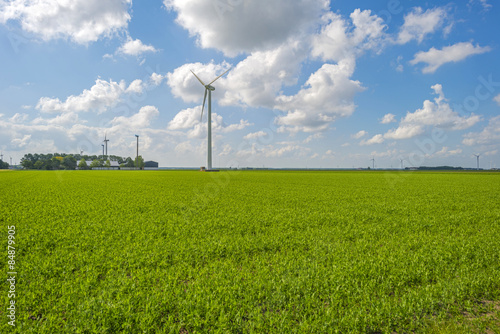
(106, 142)
(402, 165)
(209, 89)
(477, 157)
(373, 160)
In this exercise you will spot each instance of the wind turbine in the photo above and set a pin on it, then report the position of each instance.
(106, 142)
(477, 156)
(402, 165)
(373, 160)
(209, 89)
(137, 136)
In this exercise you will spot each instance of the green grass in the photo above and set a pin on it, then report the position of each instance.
(250, 252)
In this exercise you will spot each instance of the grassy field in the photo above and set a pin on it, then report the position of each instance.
(252, 252)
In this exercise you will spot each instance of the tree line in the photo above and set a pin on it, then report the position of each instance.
(67, 161)
(4, 165)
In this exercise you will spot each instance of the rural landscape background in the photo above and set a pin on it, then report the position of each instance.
(356, 149)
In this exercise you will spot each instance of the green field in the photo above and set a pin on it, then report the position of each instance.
(251, 252)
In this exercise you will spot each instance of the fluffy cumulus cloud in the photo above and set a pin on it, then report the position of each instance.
(184, 84)
(437, 113)
(446, 152)
(135, 47)
(341, 39)
(256, 80)
(360, 134)
(388, 118)
(489, 136)
(81, 21)
(435, 58)
(189, 121)
(100, 97)
(377, 139)
(142, 119)
(418, 24)
(497, 99)
(327, 95)
(274, 61)
(244, 26)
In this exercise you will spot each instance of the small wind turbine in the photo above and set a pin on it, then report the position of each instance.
(373, 160)
(402, 165)
(477, 157)
(209, 89)
(106, 142)
(137, 136)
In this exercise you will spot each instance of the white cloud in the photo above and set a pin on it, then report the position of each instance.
(484, 3)
(189, 120)
(329, 154)
(489, 136)
(185, 119)
(81, 21)
(436, 58)
(255, 135)
(360, 134)
(377, 139)
(327, 95)
(497, 99)
(418, 24)
(157, 79)
(142, 119)
(19, 118)
(312, 137)
(134, 47)
(388, 118)
(405, 131)
(338, 39)
(67, 118)
(184, 84)
(257, 80)
(437, 113)
(241, 27)
(446, 152)
(21, 142)
(100, 97)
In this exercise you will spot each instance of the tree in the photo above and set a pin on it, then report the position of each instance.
(69, 162)
(96, 163)
(107, 164)
(26, 163)
(139, 162)
(83, 164)
(38, 164)
(4, 165)
(129, 162)
(56, 162)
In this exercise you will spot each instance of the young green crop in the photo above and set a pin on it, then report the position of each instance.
(248, 252)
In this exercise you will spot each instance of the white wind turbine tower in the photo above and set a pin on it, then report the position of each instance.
(477, 157)
(209, 89)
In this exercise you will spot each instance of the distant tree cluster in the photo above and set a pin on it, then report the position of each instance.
(4, 165)
(65, 161)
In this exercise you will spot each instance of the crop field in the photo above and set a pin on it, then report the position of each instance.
(250, 251)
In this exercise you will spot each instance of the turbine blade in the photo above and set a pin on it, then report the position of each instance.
(198, 78)
(218, 77)
(203, 105)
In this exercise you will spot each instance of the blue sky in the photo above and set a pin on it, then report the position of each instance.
(312, 83)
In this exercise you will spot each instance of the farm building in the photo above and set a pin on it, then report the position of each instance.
(151, 165)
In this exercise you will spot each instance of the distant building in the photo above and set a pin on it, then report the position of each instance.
(151, 165)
